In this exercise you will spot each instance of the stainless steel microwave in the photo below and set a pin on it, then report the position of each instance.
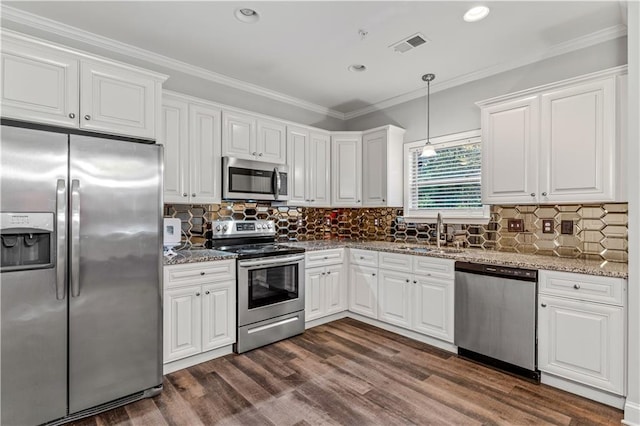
(253, 180)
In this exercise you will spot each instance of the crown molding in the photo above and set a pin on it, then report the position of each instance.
(594, 38)
(38, 22)
(44, 24)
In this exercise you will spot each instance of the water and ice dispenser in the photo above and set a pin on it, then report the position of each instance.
(27, 241)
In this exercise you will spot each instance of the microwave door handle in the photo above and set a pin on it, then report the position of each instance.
(276, 172)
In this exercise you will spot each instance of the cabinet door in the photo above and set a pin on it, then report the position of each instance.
(374, 169)
(433, 306)
(117, 100)
(319, 161)
(239, 135)
(509, 152)
(314, 293)
(175, 138)
(395, 298)
(346, 159)
(335, 290)
(582, 341)
(182, 323)
(297, 140)
(39, 84)
(578, 140)
(204, 158)
(272, 142)
(218, 315)
(363, 292)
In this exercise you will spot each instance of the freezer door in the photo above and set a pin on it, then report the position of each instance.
(115, 260)
(33, 172)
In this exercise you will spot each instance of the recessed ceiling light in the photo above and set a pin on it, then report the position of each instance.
(357, 68)
(476, 14)
(246, 15)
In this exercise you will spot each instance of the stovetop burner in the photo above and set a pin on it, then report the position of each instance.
(247, 239)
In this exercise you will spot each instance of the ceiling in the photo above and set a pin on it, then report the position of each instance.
(301, 49)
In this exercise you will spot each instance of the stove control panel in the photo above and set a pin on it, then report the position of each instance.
(242, 228)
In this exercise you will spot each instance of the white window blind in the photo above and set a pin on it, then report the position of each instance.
(449, 183)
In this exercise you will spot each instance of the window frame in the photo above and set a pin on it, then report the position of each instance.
(466, 216)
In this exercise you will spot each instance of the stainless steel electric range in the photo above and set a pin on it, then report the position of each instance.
(270, 281)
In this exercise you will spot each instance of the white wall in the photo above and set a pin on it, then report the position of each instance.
(632, 406)
(454, 110)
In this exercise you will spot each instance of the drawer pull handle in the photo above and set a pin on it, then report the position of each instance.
(201, 273)
(576, 286)
(326, 257)
(544, 305)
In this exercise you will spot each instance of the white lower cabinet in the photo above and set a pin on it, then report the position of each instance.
(363, 290)
(579, 338)
(325, 285)
(420, 299)
(199, 308)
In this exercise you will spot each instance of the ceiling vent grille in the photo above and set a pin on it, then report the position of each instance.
(409, 43)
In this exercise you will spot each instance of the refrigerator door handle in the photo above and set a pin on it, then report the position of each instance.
(75, 238)
(61, 238)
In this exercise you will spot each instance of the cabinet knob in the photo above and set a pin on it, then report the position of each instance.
(207, 292)
(260, 155)
(576, 286)
(361, 257)
(193, 194)
(254, 153)
(198, 294)
(415, 282)
(544, 305)
(373, 275)
(533, 194)
(544, 194)
(329, 273)
(324, 273)
(201, 273)
(87, 117)
(184, 194)
(408, 280)
(359, 201)
(72, 115)
(383, 200)
(326, 257)
(313, 201)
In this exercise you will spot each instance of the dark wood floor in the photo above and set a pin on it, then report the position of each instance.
(350, 373)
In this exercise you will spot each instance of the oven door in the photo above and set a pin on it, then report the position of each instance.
(269, 287)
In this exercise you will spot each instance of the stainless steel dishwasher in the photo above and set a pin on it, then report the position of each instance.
(495, 316)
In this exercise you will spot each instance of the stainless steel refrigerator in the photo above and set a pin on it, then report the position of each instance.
(80, 276)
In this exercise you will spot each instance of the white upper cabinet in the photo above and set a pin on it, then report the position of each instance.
(39, 84)
(50, 84)
(253, 138)
(509, 152)
(382, 167)
(556, 144)
(346, 161)
(191, 136)
(309, 156)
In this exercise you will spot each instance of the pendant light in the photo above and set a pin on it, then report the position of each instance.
(428, 150)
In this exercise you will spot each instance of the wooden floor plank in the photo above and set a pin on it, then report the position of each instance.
(351, 373)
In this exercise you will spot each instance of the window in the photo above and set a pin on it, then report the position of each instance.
(448, 183)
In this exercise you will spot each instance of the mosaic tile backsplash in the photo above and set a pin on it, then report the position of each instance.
(599, 230)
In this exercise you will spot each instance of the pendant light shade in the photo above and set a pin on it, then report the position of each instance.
(428, 150)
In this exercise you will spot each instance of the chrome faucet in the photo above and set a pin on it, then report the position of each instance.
(439, 226)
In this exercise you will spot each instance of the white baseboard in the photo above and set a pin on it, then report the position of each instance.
(631, 414)
(604, 397)
(196, 359)
(324, 320)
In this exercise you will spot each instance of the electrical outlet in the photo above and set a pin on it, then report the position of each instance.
(566, 227)
(547, 226)
(515, 225)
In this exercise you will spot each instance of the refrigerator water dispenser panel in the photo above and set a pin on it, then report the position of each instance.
(26, 241)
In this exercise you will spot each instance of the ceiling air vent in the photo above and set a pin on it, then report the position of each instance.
(409, 43)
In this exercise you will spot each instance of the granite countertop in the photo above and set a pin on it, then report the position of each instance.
(531, 261)
(194, 255)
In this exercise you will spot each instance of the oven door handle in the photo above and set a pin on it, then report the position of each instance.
(263, 262)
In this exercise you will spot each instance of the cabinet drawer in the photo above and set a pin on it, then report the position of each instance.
(323, 257)
(363, 257)
(394, 262)
(433, 267)
(583, 287)
(195, 273)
